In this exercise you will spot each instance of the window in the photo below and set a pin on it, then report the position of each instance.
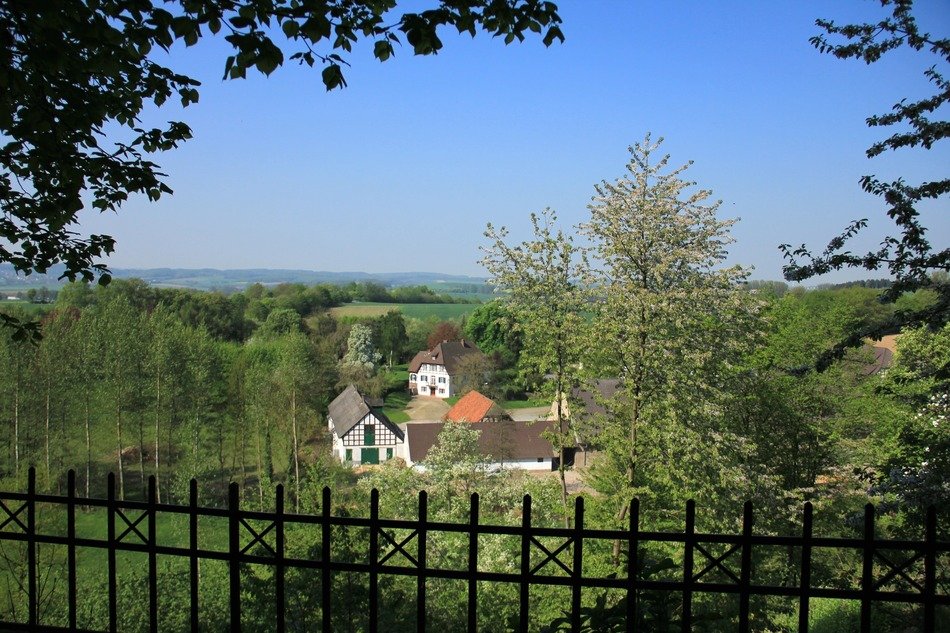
(412, 377)
(540, 460)
(441, 390)
(369, 434)
(442, 379)
(389, 453)
(349, 455)
(424, 378)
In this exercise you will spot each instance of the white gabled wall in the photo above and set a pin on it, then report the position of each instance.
(380, 431)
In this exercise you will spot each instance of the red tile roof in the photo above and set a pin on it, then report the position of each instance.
(473, 407)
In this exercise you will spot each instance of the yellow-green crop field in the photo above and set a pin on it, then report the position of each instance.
(414, 310)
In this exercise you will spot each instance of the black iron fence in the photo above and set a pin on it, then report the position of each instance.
(895, 571)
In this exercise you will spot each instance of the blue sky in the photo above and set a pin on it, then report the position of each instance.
(402, 170)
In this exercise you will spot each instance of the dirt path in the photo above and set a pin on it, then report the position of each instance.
(426, 409)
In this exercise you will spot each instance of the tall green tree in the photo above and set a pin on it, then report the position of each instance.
(121, 347)
(670, 316)
(544, 280)
(389, 335)
(296, 377)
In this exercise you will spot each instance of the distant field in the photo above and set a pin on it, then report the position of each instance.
(415, 310)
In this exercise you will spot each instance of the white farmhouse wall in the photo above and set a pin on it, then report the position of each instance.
(386, 441)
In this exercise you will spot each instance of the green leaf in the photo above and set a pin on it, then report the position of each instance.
(290, 28)
(383, 50)
(333, 77)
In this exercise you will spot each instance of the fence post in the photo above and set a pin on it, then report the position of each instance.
(234, 554)
(279, 562)
(473, 565)
(688, 541)
(152, 559)
(110, 517)
(421, 578)
(325, 553)
(578, 566)
(745, 572)
(193, 571)
(930, 569)
(633, 564)
(867, 569)
(71, 548)
(804, 587)
(33, 602)
(525, 564)
(373, 560)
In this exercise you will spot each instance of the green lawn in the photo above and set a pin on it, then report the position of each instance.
(525, 404)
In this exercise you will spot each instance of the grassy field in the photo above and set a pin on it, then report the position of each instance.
(414, 310)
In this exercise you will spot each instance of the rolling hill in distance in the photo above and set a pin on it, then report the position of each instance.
(213, 278)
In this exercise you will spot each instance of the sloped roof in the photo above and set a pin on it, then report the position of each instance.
(447, 353)
(503, 440)
(474, 407)
(348, 408)
(588, 395)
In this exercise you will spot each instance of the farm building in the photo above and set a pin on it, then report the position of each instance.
(474, 407)
(505, 443)
(362, 434)
(435, 372)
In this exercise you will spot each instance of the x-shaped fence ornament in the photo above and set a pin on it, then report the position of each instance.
(258, 538)
(131, 526)
(552, 556)
(12, 517)
(399, 547)
(895, 569)
(716, 562)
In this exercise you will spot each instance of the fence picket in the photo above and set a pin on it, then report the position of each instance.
(71, 546)
(804, 581)
(421, 578)
(578, 565)
(745, 573)
(193, 574)
(279, 557)
(473, 565)
(325, 553)
(525, 588)
(152, 558)
(234, 554)
(867, 569)
(33, 599)
(633, 564)
(113, 601)
(374, 561)
(686, 621)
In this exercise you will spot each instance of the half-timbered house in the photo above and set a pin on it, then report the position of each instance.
(362, 434)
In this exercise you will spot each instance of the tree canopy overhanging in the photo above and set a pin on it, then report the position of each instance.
(74, 71)
(908, 256)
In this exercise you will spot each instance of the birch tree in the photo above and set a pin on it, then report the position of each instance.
(669, 313)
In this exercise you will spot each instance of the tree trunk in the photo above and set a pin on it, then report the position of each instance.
(158, 418)
(118, 440)
(47, 412)
(142, 458)
(293, 426)
(16, 419)
(88, 443)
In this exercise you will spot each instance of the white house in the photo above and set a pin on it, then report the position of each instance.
(435, 372)
(508, 443)
(361, 433)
